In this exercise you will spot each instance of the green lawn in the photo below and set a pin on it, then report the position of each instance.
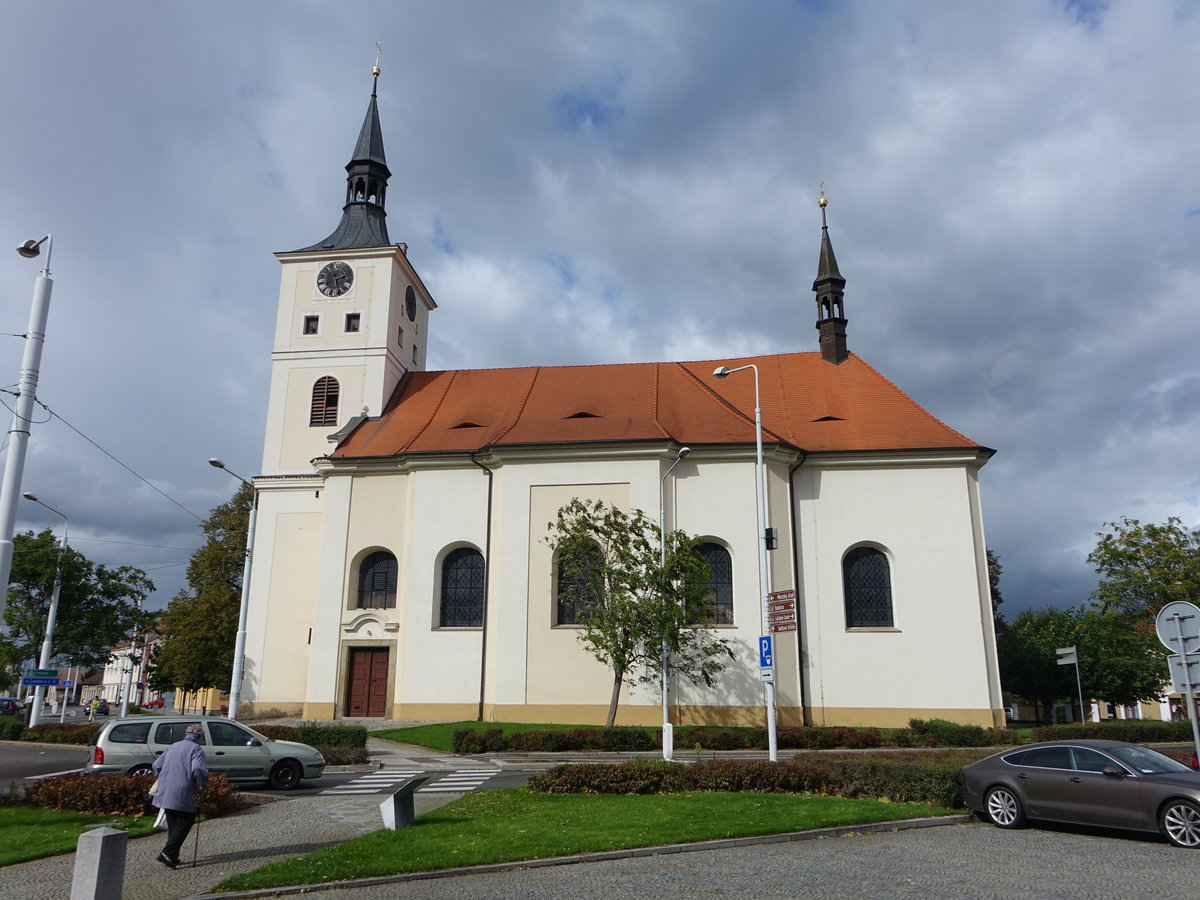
(441, 735)
(29, 833)
(512, 824)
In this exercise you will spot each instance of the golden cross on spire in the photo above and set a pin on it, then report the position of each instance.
(378, 53)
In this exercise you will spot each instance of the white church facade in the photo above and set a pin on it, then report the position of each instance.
(400, 567)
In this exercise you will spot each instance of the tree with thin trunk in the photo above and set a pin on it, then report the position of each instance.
(612, 582)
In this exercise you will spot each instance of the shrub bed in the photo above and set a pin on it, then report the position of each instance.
(11, 728)
(936, 780)
(951, 734)
(341, 745)
(1135, 731)
(125, 795)
(54, 733)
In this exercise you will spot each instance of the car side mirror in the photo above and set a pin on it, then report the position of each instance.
(1113, 771)
(254, 743)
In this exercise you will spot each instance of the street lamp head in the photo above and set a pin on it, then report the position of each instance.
(720, 372)
(30, 249)
(30, 495)
(216, 463)
(683, 451)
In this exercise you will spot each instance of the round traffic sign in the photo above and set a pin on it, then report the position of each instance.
(1179, 619)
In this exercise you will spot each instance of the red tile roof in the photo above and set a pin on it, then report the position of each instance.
(806, 402)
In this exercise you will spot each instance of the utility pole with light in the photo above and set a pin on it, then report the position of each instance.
(765, 542)
(18, 432)
(239, 645)
(668, 736)
(39, 692)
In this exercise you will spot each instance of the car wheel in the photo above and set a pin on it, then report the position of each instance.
(143, 769)
(286, 775)
(1003, 808)
(1179, 822)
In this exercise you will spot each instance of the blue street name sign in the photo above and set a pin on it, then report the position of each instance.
(766, 658)
(40, 682)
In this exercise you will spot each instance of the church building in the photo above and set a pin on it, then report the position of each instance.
(400, 564)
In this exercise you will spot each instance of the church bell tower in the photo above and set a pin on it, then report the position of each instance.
(830, 286)
(352, 319)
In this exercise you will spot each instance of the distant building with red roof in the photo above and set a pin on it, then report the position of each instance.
(400, 567)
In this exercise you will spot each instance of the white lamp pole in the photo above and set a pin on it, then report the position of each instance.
(18, 432)
(239, 645)
(764, 571)
(668, 736)
(39, 692)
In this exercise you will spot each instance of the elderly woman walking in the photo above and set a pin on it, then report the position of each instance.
(181, 773)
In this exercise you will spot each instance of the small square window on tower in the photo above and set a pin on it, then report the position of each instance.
(352, 322)
(400, 336)
(312, 324)
(414, 352)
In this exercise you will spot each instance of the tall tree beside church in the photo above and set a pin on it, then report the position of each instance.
(199, 626)
(1145, 567)
(629, 601)
(97, 604)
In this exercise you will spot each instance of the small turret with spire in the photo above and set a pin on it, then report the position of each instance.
(829, 286)
(363, 217)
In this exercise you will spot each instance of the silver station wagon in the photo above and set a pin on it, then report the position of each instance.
(129, 746)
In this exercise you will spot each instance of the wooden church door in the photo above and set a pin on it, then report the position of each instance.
(368, 682)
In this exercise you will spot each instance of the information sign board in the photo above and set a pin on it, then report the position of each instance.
(781, 627)
(40, 682)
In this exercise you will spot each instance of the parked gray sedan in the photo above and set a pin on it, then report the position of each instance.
(1108, 783)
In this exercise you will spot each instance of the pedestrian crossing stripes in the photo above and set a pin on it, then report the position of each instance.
(385, 781)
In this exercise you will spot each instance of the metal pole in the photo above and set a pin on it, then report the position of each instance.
(52, 615)
(1083, 714)
(668, 734)
(764, 569)
(129, 671)
(18, 432)
(1187, 683)
(239, 645)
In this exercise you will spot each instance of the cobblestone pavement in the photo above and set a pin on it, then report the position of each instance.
(964, 862)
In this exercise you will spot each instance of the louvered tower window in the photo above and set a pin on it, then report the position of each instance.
(717, 607)
(324, 402)
(377, 578)
(867, 581)
(462, 589)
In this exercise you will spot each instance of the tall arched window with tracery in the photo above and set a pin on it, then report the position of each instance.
(717, 607)
(867, 584)
(462, 589)
(324, 402)
(377, 578)
(578, 585)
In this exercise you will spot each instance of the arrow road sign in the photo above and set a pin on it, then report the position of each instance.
(1066, 656)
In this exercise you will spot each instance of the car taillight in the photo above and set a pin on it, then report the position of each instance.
(98, 757)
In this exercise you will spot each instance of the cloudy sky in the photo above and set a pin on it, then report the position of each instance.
(1014, 197)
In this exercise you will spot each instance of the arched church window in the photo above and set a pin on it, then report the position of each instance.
(462, 589)
(324, 402)
(867, 583)
(578, 586)
(717, 606)
(377, 577)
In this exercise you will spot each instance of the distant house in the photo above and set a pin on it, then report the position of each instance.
(400, 567)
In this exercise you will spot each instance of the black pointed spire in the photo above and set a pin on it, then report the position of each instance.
(363, 217)
(829, 286)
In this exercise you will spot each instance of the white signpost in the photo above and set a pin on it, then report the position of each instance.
(1178, 627)
(1068, 657)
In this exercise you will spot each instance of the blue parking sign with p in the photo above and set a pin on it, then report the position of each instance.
(765, 656)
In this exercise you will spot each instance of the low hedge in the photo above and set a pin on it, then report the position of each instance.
(11, 728)
(492, 740)
(341, 745)
(1135, 731)
(935, 778)
(124, 795)
(54, 733)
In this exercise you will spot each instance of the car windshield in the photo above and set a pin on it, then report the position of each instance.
(1147, 761)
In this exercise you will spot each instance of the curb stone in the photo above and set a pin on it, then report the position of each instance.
(632, 853)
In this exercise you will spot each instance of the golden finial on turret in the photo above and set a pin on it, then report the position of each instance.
(378, 53)
(822, 202)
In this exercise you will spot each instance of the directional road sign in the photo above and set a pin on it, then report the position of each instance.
(40, 682)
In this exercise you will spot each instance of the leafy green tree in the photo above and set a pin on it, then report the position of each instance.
(199, 626)
(1028, 664)
(1120, 657)
(1145, 567)
(629, 601)
(98, 606)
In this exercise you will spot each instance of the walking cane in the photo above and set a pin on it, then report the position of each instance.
(196, 845)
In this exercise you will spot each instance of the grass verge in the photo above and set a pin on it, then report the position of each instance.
(512, 824)
(27, 832)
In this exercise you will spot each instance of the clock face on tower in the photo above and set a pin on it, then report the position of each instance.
(335, 279)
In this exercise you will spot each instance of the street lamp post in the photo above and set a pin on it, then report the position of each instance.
(39, 692)
(668, 736)
(18, 432)
(239, 645)
(125, 694)
(764, 571)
